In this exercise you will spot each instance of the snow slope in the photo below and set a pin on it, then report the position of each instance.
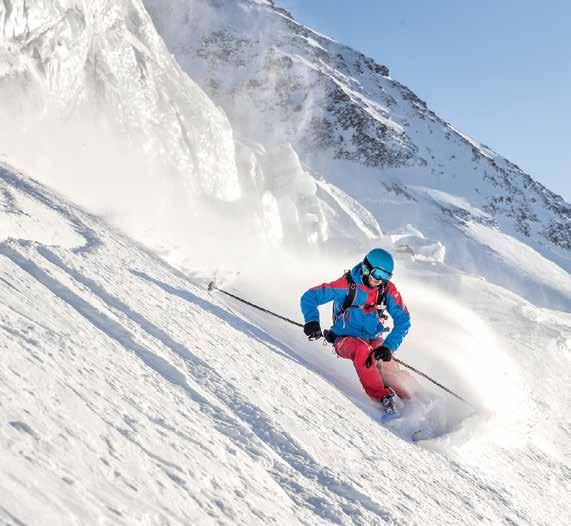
(130, 395)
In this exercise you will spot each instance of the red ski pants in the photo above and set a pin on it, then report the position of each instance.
(378, 377)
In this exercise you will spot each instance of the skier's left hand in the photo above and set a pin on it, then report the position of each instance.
(383, 353)
(330, 336)
(380, 353)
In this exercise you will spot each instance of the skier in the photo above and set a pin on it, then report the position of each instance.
(360, 298)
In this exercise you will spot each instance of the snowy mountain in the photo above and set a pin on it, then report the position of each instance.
(354, 126)
(267, 157)
(316, 149)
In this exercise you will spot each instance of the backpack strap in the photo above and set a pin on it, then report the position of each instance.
(350, 298)
(381, 302)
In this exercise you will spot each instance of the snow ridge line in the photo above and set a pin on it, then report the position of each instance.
(332, 499)
(28, 186)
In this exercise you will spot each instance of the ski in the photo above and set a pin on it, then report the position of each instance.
(387, 417)
(420, 435)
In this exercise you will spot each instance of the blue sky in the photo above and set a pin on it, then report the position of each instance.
(499, 70)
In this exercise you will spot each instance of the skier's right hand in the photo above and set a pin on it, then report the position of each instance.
(312, 330)
(383, 353)
(379, 353)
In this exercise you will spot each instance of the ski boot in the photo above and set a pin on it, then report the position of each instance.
(389, 407)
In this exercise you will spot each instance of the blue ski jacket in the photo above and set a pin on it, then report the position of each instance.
(362, 319)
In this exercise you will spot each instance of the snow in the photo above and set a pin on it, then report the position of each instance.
(519, 256)
(358, 213)
(98, 80)
(23, 218)
(447, 199)
(129, 394)
(411, 241)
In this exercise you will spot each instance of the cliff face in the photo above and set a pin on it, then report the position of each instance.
(96, 77)
(344, 114)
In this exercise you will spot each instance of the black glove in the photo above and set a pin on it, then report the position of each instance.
(380, 353)
(312, 330)
(383, 353)
(330, 336)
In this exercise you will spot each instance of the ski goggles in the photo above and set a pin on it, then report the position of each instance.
(379, 273)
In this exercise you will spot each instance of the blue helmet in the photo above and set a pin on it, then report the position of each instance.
(378, 263)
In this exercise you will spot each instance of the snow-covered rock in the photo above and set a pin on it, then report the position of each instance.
(411, 241)
(86, 86)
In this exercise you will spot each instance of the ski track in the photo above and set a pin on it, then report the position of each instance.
(231, 319)
(35, 191)
(308, 484)
(13, 520)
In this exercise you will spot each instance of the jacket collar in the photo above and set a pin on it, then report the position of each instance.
(357, 275)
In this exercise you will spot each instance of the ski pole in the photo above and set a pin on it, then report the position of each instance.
(212, 286)
(433, 381)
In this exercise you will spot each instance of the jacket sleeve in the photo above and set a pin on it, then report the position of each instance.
(401, 318)
(312, 298)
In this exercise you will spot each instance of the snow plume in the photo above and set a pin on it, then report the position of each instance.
(455, 345)
(92, 103)
(451, 340)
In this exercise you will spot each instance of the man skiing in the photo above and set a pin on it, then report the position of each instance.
(360, 298)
